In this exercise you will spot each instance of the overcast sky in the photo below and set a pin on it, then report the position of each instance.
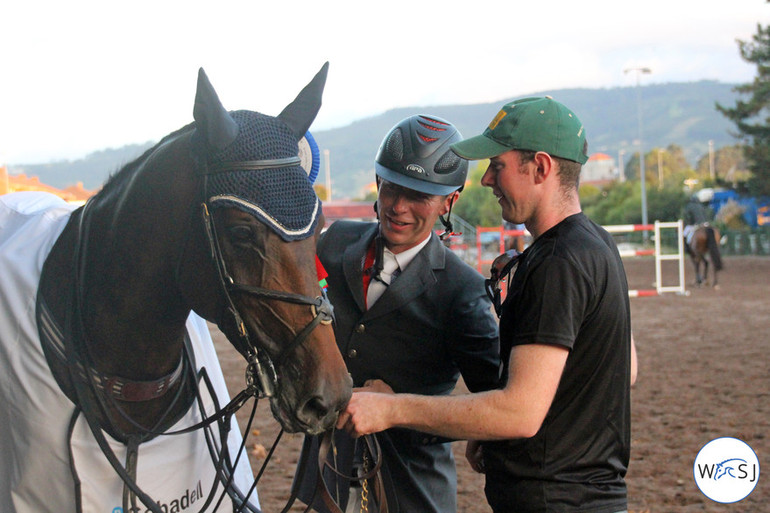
(82, 75)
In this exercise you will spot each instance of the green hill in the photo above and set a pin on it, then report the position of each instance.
(676, 113)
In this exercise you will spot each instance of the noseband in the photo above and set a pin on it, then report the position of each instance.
(261, 375)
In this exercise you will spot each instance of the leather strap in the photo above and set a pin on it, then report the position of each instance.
(375, 474)
(252, 165)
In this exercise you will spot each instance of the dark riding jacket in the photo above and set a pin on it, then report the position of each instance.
(433, 324)
(694, 214)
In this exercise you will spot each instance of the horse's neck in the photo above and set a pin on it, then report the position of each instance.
(131, 302)
(119, 342)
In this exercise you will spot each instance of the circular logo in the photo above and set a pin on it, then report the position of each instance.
(726, 470)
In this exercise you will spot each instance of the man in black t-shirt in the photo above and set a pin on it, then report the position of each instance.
(557, 435)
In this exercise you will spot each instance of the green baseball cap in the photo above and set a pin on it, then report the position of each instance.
(534, 124)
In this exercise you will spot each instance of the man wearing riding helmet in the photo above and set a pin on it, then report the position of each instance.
(557, 434)
(417, 333)
(693, 215)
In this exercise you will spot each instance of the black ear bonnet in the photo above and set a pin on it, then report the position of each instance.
(282, 197)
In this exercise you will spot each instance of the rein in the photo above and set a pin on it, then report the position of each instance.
(327, 449)
(77, 360)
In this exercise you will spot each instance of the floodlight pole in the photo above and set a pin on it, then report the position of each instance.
(328, 176)
(621, 170)
(639, 71)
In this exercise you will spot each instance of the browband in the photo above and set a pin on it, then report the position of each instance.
(253, 165)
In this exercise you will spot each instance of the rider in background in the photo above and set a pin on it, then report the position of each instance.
(693, 215)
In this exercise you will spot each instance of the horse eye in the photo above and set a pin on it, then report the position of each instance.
(241, 233)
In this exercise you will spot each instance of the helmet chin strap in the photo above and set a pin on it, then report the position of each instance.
(379, 248)
(448, 230)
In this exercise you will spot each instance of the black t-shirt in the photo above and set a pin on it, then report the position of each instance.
(570, 290)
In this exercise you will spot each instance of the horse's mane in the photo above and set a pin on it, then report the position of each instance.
(118, 179)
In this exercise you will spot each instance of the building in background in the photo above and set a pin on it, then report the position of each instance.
(21, 182)
(356, 210)
(600, 169)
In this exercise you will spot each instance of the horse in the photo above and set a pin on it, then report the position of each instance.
(110, 389)
(703, 248)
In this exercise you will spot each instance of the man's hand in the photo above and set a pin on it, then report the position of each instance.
(375, 385)
(367, 413)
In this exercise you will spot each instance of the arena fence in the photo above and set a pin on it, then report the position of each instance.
(495, 239)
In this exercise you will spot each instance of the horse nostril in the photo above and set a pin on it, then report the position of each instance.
(319, 411)
(315, 408)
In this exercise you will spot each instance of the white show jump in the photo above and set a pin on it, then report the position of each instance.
(657, 252)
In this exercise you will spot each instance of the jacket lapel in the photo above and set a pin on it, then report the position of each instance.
(413, 281)
(352, 265)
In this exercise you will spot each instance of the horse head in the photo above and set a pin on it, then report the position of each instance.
(258, 226)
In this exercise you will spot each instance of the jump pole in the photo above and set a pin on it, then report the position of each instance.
(620, 228)
(658, 253)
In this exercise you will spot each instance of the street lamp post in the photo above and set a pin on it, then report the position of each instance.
(621, 170)
(660, 168)
(640, 71)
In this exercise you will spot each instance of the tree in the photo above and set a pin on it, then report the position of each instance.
(752, 116)
(730, 166)
(477, 205)
(673, 161)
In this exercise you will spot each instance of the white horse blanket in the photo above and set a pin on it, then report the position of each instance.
(35, 475)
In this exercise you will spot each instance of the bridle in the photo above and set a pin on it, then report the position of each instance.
(85, 382)
(261, 370)
(261, 376)
(499, 275)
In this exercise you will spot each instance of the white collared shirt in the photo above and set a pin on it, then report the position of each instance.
(391, 263)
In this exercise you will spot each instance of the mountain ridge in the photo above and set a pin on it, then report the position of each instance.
(681, 113)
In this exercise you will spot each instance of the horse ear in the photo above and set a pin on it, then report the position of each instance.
(213, 121)
(300, 113)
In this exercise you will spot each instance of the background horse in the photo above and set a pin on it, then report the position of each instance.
(704, 248)
(218, 219)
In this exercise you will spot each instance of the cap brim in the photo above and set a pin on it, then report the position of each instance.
(478, 147)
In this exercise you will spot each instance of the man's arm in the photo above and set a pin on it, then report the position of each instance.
(517, 411)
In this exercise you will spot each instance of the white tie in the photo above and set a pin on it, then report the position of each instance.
(376, 286)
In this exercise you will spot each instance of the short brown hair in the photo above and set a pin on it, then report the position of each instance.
(569, 170)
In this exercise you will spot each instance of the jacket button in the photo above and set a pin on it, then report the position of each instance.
(352, 353)
(360, 328)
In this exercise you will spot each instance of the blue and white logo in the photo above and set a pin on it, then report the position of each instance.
(726, 470)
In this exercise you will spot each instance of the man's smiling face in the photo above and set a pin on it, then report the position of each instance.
(407, 216)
